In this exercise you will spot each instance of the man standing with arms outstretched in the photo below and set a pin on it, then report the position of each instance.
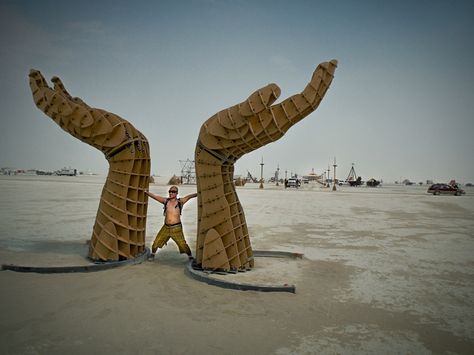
(172, 207)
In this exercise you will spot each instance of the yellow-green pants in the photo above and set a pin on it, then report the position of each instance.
(175, 232)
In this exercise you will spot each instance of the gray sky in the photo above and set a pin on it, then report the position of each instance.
(400, 105)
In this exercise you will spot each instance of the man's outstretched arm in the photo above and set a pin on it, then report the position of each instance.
(187, 198)
(158, 198)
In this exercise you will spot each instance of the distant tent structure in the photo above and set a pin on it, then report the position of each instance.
(174, 180)
(312, 176)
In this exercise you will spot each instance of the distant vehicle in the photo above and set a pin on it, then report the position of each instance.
(372, 183)
(445, 189)
(66, 172)
(291, 182)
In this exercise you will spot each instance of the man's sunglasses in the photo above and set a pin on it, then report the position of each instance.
(173, 191)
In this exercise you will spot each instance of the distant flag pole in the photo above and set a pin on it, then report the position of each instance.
(277, 174)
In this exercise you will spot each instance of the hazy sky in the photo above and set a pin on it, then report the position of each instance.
(400, 105)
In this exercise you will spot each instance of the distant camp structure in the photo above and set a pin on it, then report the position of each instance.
(62, 172)
(312, 176)
(188, 172)
(240, 181)
(250, 178)
(174, 180)
(352, 179)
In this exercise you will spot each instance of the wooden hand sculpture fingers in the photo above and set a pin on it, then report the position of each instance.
(119, 228)
(223, 241)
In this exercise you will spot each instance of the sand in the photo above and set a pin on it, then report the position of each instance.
(385, 270)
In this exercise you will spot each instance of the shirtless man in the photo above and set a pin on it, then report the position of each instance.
(172, 227)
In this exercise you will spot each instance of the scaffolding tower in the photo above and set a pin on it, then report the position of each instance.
(188, 171)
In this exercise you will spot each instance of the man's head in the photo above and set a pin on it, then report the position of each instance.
(173, 191)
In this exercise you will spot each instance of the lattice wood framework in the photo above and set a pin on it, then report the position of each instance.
(119, 229)
(223, 240)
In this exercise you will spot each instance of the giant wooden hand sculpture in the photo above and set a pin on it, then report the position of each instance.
(223, 239)
(119, 229)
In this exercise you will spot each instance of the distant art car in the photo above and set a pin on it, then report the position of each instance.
(372, 183)
(445, 189)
